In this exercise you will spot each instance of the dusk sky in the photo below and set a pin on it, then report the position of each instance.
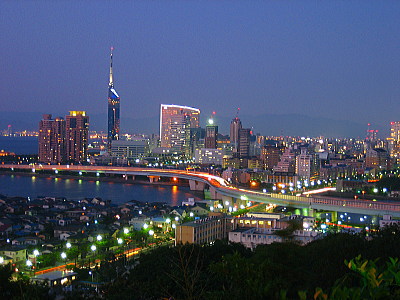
(336, 59)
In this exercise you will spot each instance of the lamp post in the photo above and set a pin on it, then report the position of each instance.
(93, 248)
(29, 265)
(36, 254)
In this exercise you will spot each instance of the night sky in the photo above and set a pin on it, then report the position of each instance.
(333, 59)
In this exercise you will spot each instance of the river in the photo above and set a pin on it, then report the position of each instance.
(77, 189)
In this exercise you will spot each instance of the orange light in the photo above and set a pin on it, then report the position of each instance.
(253, 183)
(175, 179)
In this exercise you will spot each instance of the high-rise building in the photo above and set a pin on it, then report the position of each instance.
(303, 165)
(175, 121)
(377, 158)
(113, 108)
(52, 140)
(77, 129)
(270, 155)
(236, 125)
(211, 135)
(394, 141)
(244, 142)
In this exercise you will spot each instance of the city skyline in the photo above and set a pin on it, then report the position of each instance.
(320, 61)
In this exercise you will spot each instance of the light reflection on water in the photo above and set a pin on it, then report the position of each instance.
(78, 189)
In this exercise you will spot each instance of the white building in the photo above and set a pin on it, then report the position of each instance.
(208, 156)
(133, 149)
(252, 237)
(303, 165)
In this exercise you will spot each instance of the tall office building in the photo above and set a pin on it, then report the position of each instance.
(113, 108)
(77, 129)
(211, 135)
(52, 140)
(394, 141)
(175, 121)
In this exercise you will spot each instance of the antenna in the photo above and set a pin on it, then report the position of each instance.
(237, 112)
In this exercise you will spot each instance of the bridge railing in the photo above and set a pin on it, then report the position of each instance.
(356, 203)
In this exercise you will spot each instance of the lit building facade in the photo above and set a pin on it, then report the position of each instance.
(303, 165)
(52, 140)
(133, 149)
(77, 129)
(113, 108)
(211, 135)
(394, 141)
(235, 126)
(208, 156)
(175, 121)
(244, 142)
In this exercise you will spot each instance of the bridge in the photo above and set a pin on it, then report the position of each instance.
(221, 190)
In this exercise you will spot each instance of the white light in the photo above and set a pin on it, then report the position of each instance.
(93, 247)
(248, 204)
(264, 190)
(140, 212)
(226, 202)
(80, 172)
(63, 255)
(99, 237)
(29, 263)
(97, 174)
(323, 226)
(168, 220)
(211, 208)
(68, 245)
(191, 214)
(230, 208)
(1, 259)
(36, 252)
(242, 206)
(126, 230)
(151, 232)
(177, 219)
(145, 226)
(120, 241)
(173, 226)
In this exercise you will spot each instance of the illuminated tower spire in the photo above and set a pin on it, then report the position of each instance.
(111, 83)
(113, 108)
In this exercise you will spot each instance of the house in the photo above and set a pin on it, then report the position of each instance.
(16, 253)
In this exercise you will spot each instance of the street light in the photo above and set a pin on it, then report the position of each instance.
(28, 263)
(99, 237)
(126, 230)
(93, 248)
(63, 255)
(68, 245)
(36, 252)
(120, 241)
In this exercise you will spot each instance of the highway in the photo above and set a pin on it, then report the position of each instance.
(225, 191)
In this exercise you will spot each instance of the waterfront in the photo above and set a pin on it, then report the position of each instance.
(76, 189)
